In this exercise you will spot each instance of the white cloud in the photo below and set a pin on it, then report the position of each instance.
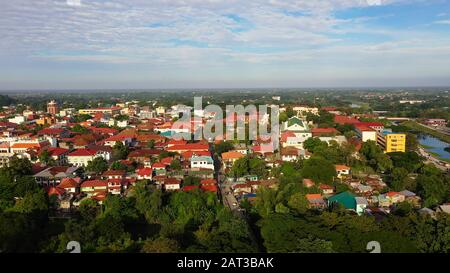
(237, 37)
(443, 22)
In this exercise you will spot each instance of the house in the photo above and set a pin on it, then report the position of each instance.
(114, 174)
(57, 154)
(54, 175)
(411, 198)
(361, 205)
(202, 162)
(383, 201)
(395, 197)
(142, 155)
(342, 120)
(115, 186)
(101, 150)
(308, 183)
(209, 187)
(171, 184)
(91, 186)
(241, 148)
(342, 170)
(99, 196)
(290, 154)
(229, 158)
(55, 191)
(326, 189)
(377, 126)
(316, 201)
(174, 142)
(144, 173)
(81, 157)
(193, 147)
(70, 185)
(125, 139)
(365, 133)
(296, 125)
(363, 189)
(445, 208)
(242, 188)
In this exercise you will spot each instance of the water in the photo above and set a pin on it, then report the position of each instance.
(437, 144)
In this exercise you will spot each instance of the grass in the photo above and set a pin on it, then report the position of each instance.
(418, 127)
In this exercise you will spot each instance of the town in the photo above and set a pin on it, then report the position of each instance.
(342, 165)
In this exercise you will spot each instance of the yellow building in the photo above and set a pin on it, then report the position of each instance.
(392, 142)
(46, 121)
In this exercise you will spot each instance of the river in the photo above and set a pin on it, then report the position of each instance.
(434, 145)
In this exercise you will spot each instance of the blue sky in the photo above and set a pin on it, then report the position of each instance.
(63, 44)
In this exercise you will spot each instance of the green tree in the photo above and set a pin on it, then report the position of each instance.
(319, 169)
(98, 165)
(46, 158)
(36, 201)
(175, 165)
(223, 147)
(160, 245)
(298, 202)
(151, 144)
(119, 151)
(79, 129)
(399, 176)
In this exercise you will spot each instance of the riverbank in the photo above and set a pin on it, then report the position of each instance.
(418, 127)
(436, 155)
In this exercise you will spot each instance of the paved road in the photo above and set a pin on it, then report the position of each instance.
(442, 130)
(431, 159)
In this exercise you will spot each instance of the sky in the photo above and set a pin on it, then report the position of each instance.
(154, 44)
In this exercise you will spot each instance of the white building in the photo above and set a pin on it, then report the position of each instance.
(202, 162)
(17, 119)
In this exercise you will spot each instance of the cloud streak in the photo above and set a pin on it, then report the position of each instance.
(201, 35)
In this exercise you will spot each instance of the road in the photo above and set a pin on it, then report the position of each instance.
(431, 159)
(442, 130)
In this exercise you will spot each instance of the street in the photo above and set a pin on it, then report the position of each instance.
(431, 159)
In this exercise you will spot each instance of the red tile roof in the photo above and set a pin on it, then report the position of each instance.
(317, 131)
(55, 191)
(51, 131)
(158, 165)
(114, 172)
(94, 183)
(209, 188)
(190, 188)
(83, 152)
(167, 160)
(189, 147)
(171, 181)
(209, 181)
(107, 131)
(54, 151)
(345, 120)
(68, 183)
(189, 154)
(144, 171)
